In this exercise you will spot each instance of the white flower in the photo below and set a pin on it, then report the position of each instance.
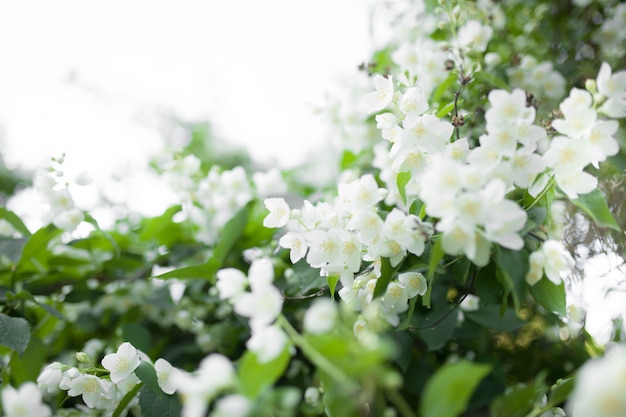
(535, 271)
(613, 87)
(412, 102)
(69, 219)
(383, 95)
(279, 212)
(261, 273)
(470, 303)
(261, 306)
(414, 282)
(231, 406)
(91, 388)
(267, 343)
(297, 245)
(68, 377)
(49, 379)
(320, 317)
(122, 363)
(23, 402)
(215, 373)
(270, 183)
(557, 260)
(508, 108)
(164, 371)
(474, 35)
(231, 283)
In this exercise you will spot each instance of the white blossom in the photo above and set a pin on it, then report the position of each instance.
(122, 363)
(320, 317)
(25, 401)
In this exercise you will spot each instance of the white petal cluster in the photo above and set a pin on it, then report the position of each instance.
(262, 304)
(379, 99)
(474, 36)
(122, 363)
(321, 316)
(539, 79)
(553, 259)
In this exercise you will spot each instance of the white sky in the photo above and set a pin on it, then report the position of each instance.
(250, 67)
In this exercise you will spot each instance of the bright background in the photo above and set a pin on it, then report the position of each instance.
(90, 78)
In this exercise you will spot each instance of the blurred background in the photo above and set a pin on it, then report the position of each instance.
(106, 82)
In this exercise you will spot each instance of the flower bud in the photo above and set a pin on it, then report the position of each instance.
(82, 357)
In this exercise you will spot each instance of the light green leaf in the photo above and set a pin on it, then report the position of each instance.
(401, 181)
(28, 367)
(449, 390)
(126, 400)
(594, 204)
(255, 377)
(153, 405)
(550, 296)
(444, 86)
(14, 333)
(332, 284)
(560, 391)
(189, 272)
(34, 250)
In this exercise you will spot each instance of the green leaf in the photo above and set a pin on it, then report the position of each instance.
(126, 400)
(255, 377)
(402, 180)
(332, 284)
(512, 269)
(490, 318)
(12, 248)
(550, 296)
(560, 391)
(447, 108)
(189, 272)
(594, 204)
(449, 390)
(443, 87)
(386, 273)
(436, 255)
(35, 249)
(153, 405)
(437, 336)
(516, 403)
(14, 333)
(14, 220)
(137, 335)
(147, 374)
(491, 80)
(28, 367)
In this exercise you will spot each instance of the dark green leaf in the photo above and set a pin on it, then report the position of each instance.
(386, 273)
(439, 334)
(14, 333)
(255, 377)
(12, 248)
(512, 269)
(449, 390)
(154, 405)
(147, 374)
(137, 335)
(550, 296)
(126, 400)
(490, 318)
(594, 204)
(35, 249)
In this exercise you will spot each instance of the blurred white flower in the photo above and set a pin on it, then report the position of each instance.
(24, 401)
(164, 371)
(320, 317)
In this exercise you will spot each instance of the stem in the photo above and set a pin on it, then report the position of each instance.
(400, 403)
(314, 356)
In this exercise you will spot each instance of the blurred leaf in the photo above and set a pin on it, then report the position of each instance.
(34, 251)
(232, 231)
(189, 272)
(438, 335)
(14, 333)
(128, 397)
(138, 336)
(12, 248)
(162, 229)
(491, 80)
(14, 221)
(594, 204)
(255, 377)
(516, 403)
(154, 405)
(449, 390)
(28, 367)
(550, 296)
(490, 318)
(444, 87)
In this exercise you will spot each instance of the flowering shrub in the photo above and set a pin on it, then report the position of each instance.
(430, 280)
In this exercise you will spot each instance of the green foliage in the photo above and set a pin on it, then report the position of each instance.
(14, 333)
